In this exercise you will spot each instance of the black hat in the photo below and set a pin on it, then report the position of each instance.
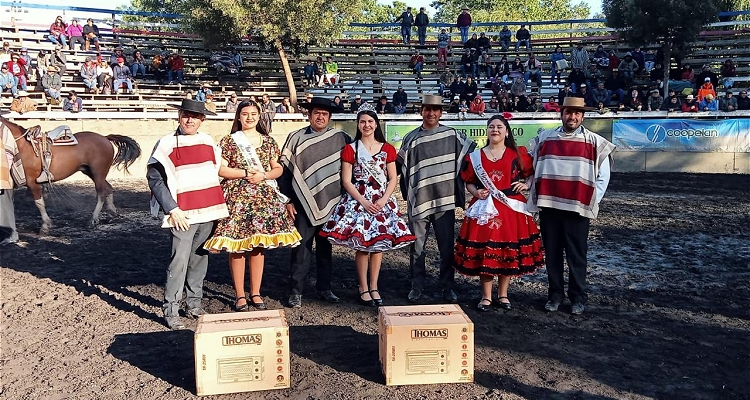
(319, 102)
(193, 106)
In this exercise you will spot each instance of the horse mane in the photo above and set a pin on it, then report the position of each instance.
(10, 124)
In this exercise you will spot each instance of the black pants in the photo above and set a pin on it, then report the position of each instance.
(565, 232)
(444, 225)
(302, 254)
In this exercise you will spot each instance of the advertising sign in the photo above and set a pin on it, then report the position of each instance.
(729, 135)
(523, 131)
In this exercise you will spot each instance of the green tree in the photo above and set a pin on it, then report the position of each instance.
(156, 6)
(279, 24)
(376, 13)
(642, 22)
(510, 10)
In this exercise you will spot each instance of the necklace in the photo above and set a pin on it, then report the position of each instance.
(492, 155)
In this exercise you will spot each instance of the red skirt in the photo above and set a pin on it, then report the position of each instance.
(509, 245)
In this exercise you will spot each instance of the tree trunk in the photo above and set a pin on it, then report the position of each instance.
(668, 62)
(287, 73)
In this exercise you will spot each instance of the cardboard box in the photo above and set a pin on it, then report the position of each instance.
(426, 344)
(241, 352)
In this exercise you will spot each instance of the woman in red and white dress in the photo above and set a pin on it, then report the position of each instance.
(498, 236)
(367, 217)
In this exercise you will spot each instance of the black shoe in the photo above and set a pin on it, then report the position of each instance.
(450, 296)
(552, 305)
(368, 303)
(504, 306)
(484, 307)
(414, 295)
(295, 301)
(260, 305)
(328, 296)
(378, 302)
(239, 308)
(577, 308)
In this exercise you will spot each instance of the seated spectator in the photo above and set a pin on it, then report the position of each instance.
(455, 103)
(601, 109)
(639, 57)
(477, 106)
(309, 72)
(175, 67)
(579, 57)
(518, 88)
(470, 89)
(320, 71)
(205, 89)
(26, 58)
(209, 103)
(90, 35)
(458, 87)
(486, 65)
(467, 64)
(633, 102)
(75, 35)
(22, 103)
(502, 70)
(383, 106)
(483, 43)
(493, 105)
(138, 64)
(593, 75)
(59, 60)
(706, 88)
(728, 71)
(707, 73)
(8, 81)
(236, 59)
(601, 58)
(628, 67)
(104, 77)
(576, 78)
(331, 74)
(671, 104)
(336, 101)
(583, 92)
(657, 74)
(616, 85)
(709, 103)
(654, 101)
(416, 62)
(556, 56)
(614, 61)
(566, 91)
(536, 105)
(690, 105)
(42, 61)
(73, 103)
(89, 75)
(649, 60)
(121, 74)
(686, 74)
(463, 110)
(354, 105)
(58, 33)
(188, 94)
(5, 53)
(52, 84)
(551, 105)
(728, 103)
(600, 94)
(504, 38)
(517, 69)
(533, 69)
(523, 37)
(519, 104)
(232, 103)
(446, 78)
(743, 101)
(472, 43)
(285, 107)
(400, 100)
(17, 67)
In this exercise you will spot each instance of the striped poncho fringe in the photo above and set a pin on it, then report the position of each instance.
(191, 164)
(565, 171)
(8, 149)
(430, 163)
(314, 159)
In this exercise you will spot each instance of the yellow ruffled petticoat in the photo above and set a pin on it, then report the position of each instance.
(222, 243)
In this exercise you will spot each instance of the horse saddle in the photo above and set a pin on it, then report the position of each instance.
(62, 136)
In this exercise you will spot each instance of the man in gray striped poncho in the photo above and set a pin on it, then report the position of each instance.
(429, 162)
(312, 181)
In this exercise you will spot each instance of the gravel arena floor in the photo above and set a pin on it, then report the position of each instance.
(667, 318)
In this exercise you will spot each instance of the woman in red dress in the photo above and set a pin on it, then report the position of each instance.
(498, 237)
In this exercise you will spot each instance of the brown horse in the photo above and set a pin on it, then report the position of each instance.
(94, 155)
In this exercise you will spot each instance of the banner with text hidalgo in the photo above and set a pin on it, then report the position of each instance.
(728, 135)
(523, 130)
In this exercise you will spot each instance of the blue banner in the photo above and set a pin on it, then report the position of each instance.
(728, 135)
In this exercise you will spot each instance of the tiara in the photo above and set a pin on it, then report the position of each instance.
(365, 107)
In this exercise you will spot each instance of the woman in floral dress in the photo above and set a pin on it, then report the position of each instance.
(258, 219)
(498, 237)
(367, 217)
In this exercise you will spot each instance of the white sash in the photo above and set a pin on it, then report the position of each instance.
(251, 158)
(368, 163)
(484, 208)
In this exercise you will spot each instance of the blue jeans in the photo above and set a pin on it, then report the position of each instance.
(505, 44)
(90, 83)
(13, 90)
(627, 74)
(422, 34)
(399, 109)
(20, 81)
(554, 74)
(537, 77)
(467, 70)
(418, 70)
(138, 67)
(119, 82)
(406, 34)
(171, 74)
(54, 93)
(63, 39)
(526, 43)
(464, 33)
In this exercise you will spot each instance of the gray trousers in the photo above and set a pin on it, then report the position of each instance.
(7, 216)
(444, 226)
(187, 268)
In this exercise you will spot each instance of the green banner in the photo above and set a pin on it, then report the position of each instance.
(523, 130)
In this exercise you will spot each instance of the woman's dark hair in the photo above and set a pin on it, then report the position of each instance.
(379, 136)
(510, 142)
(237, 125)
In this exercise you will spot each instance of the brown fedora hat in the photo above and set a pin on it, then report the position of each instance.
(576, 103)
(193, 106)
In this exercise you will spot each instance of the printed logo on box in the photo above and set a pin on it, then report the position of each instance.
(238, 340)
(424, 314)
(429, 333)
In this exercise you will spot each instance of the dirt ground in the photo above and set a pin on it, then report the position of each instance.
(668, 314)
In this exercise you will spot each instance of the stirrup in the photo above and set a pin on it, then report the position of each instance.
(45, 177)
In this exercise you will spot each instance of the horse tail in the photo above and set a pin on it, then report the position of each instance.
(128, 151)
